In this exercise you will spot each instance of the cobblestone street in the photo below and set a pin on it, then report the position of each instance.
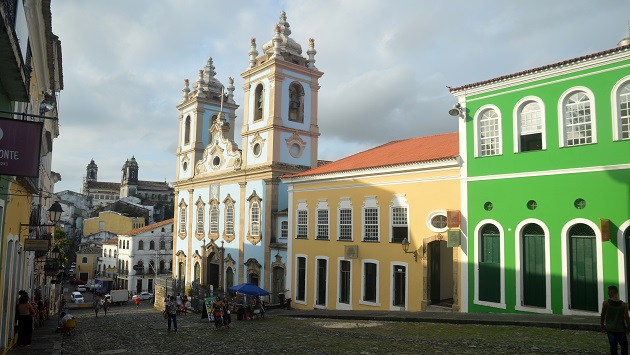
(144, 331)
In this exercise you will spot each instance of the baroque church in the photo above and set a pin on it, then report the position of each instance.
(101, 194)
(231, 223)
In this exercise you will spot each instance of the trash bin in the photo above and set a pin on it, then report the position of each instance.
(288, 300)
(281, 298)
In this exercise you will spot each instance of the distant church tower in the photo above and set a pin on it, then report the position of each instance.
(231, 205)
(129, 181)
(92, 172)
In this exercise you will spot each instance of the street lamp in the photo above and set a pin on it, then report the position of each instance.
(405, 245)
(54, 212)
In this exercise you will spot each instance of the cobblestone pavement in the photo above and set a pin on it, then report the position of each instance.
(144, 331)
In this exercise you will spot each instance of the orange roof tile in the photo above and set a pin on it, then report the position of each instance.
(149, 227)
(412, 150)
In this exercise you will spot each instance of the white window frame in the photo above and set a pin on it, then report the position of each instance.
(182, 217)
(477, 129)
(200, 221)
(399, 201)
(339, 305)
(284, 229)
(345, 204)
(561, 118)
(302, 207)
(518, 108)
(229, 218)
(616, 114)
(297, 274)
(315, 282)
(378, 283)
(254, 223)
(322, 206)
(369, 203)
(392, 266)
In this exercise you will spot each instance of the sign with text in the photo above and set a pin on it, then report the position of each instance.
(36, 244)
(20, 144)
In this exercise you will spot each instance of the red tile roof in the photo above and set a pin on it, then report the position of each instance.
(407, 151)
(149, 227)
(545, 67)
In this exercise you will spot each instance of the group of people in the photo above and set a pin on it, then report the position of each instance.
(222, 313)
(98, 303)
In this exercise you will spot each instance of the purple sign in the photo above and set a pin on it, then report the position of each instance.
(20, 146)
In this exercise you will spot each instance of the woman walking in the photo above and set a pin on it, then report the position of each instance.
(227, 316)
(25, 313)
(96, 305)
(218, 312)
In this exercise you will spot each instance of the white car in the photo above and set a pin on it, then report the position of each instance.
(76, 297)
(81, 288)
(143, 296)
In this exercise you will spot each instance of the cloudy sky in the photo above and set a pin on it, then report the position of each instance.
(386, 65)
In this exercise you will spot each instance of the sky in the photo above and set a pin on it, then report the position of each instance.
(386, 64)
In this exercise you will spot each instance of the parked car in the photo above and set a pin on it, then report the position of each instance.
(143, 296)
(81, 288)
(76, 297)
(76, 281)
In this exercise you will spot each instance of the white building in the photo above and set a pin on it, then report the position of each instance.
(143, 253)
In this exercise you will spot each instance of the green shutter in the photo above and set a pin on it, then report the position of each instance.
(583, 268)
(490, 265)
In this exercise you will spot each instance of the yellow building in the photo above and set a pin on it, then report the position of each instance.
(349, 221)
(87, 261)
(111, 222)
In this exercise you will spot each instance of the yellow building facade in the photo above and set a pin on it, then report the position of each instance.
(113, 222)
(349, 221)
(86, 264)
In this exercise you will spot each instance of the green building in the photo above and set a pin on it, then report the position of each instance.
(546, 186)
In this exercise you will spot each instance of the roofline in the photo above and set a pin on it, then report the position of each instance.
(383, 169)
(543, 68)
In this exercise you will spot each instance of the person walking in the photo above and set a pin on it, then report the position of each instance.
(137, 301)
(615, 321)
(25, 312)
(227, 316)
(96, 304)
(217, 311)
(106, 304)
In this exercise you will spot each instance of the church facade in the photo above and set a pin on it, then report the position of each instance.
(231, 207)
(151, 193)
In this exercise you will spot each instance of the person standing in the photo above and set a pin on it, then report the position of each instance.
(615, 321)
(217, 311)
(137, 301)
(25, 313)
(171, 311)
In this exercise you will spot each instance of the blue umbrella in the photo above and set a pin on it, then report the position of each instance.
(248, 289)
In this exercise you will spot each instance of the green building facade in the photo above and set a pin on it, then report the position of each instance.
(546, 186)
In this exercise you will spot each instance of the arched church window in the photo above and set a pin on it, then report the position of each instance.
(187, 130)
(259, 102)
(296, 102)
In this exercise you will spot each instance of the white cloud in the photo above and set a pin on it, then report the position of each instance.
(386, 65)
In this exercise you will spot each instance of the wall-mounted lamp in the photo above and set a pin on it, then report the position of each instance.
(457, 110)
(54, 214)
(405, 245)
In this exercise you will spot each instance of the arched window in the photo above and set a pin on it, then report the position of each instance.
(296, 102)
(530, 122)
(259, 102)
(162, 267)
(197, 272)
(229, 277)
(200, 219)
(187, 130)
(578, 119)
(583, 268)
(141, 245)
(214, 219)
(533, 266)
(162, 245)
(110, 253)
(182, 219)
(621, 111)
(152, 245)
(254, 219)
(489, 133)
(490, 264)
(151, 267)
(229, 219)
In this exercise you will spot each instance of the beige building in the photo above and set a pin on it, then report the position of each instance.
(87, 261)
(111, 222)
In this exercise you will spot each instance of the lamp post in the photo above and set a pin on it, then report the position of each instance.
(405, 245)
